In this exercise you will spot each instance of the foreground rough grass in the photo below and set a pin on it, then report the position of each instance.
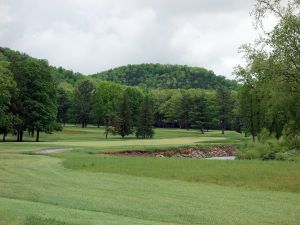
(271, 175)
(40, 186)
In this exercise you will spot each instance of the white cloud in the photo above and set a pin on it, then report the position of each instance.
(94, 35)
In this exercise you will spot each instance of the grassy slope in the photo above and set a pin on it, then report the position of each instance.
(49, 190)
(40, 186)
(273, 175)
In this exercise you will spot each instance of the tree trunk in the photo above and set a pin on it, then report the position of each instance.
(106, 134)
(18, 135)
(21, 136)
(32, 133)
(202, 131)
(223, 128)
(4, 134)
(37, 136)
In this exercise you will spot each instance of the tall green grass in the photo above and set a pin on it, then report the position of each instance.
(278, 176)
(33, 220)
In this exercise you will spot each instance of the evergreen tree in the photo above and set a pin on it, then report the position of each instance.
(199, 112)
(225, 107)
(184, 110)
(125, 117)
(145, 123)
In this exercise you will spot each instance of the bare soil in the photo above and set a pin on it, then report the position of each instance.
(188, 152)
(53, 150)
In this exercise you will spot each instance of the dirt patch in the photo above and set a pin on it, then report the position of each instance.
(189, 152)
(53, 150)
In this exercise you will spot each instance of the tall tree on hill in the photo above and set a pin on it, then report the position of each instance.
(17, 100)
(125, 120)
(106, 102)
(34, 104)
(135, 96)
(225, 106)
(184, 110)
(83, 101)
(40, 106)
(145, 123)
(98, 108)
(64, 103)
(199, 112)
(7, 89)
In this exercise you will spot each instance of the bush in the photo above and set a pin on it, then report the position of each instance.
(264, 135)
(248, 154)
(264, 151)
(282, 156)
(290, 138)
(269, 148)
(290, 156)
(292, 142)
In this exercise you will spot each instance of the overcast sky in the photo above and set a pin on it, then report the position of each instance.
(89, 36)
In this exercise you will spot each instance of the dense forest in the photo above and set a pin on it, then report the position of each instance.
(166, 76)
(269, 98)
(40, 97)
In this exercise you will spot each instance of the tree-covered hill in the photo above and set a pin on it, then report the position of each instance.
(59, 74)
(165, 76)
(143, 75)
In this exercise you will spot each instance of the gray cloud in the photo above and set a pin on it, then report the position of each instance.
(94, 35)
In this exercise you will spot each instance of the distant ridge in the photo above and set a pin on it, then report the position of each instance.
(150, 75)
(165, 76)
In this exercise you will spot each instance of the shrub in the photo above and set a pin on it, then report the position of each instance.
(282, 156)
(251, 154)
(264, 151)
(290, 138)
(264, 135)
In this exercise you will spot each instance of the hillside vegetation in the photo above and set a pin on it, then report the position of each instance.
(166, 76)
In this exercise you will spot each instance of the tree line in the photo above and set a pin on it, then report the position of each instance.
(36, 97)
(28, 95)
(269, 97)
(121, 109)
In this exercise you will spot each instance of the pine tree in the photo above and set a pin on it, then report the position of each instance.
(125, 117)
(225, 104)
(199, 112)
(145, 123)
